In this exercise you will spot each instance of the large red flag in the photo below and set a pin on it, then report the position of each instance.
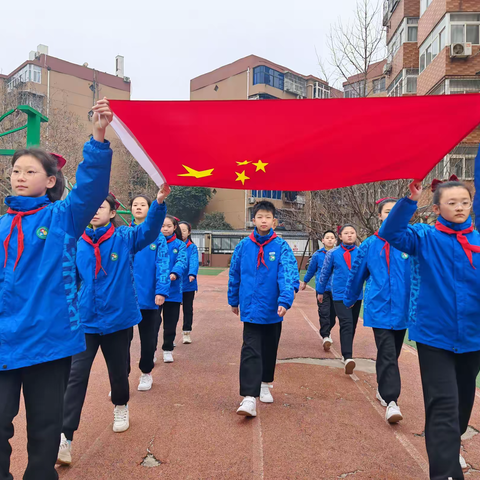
(293, 144)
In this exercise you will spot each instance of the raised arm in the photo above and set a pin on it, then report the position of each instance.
(358, 274)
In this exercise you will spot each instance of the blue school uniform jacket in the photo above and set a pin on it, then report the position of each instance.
(39, 318)
(315, 267)
(335, 270)
(177, 252)
(151, 273)
(260, 291)
(444, 298)
(108, 301)
(192, 268)
(386, 291)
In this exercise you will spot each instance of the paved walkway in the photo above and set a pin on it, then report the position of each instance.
(323, 424)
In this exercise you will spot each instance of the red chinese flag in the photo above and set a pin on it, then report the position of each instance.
(293, 144)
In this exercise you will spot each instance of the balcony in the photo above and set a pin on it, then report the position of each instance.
(389, 7)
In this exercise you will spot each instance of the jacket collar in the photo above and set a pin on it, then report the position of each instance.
(25, 204)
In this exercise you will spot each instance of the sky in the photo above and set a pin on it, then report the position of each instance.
(166, 43)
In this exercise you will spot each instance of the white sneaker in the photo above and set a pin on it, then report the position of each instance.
(327, 343)
(393, 413)
(145, 383)
(350, 366)
(121, 418)
(265, 395)
(167, 357)
(64, 451)
(463, 463)
(248, 407)
(186, 338)
(383, 403)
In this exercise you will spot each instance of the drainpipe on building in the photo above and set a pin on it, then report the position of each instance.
(48, 96)
(246, 191)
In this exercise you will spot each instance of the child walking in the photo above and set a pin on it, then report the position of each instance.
(338, 263)
(152, 282)
(263, 281)
(108, 309)
(387, 273)
(39, 322)
(170, 310)
(326, 309)
(443, 320)
(190, 285)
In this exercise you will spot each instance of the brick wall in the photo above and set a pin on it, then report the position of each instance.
(406, 57)
(465, 66)
(397, 16)
(463, 6)
(430, 18)
(433, 73)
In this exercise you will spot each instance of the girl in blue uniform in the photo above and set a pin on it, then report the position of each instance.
(338, 263)
(443, 319)
(326, 309)
(190, 285)
(151, 272)
(39, 321)
(108, 309)
(170, 310)
(387, 273)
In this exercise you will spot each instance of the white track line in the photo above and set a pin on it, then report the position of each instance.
(257, 460)
(404, 441)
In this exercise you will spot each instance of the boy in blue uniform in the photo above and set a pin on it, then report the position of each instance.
(263, 281)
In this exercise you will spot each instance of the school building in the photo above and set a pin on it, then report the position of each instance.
(256, 78)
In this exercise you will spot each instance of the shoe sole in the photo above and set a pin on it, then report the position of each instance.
(327, 346)
(121, 431)
(63, 462)
(243, 413)
(187, 342)
(395, 418)
(266, 401)
(143, 389)
(168, 361)
(350, 368)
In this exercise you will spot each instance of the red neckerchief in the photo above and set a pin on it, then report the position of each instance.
(17, 222)
(174, 237)
(96, 247)
(386, 247)
(261, 257)
(462, 239)
(189, 243)
(347, 256)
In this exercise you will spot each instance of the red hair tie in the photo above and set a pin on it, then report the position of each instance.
(117, 203)
(386, 198)
(338, 229)
(60, 160)
(436, 182)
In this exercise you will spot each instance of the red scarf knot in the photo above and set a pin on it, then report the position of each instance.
(17, 222)
(96, 247)
(347, 255)
(261, 256)
(189, 242)
(468, 248)
(386, 247)
(174, 237)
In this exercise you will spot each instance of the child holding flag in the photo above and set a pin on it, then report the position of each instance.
(262, 284)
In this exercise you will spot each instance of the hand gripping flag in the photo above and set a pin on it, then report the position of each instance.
(293, 144)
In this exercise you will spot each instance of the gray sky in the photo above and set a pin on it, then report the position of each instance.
(165, 44)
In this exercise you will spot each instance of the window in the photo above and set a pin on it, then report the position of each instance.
(405, 83)
(268, 76)
(406, 32)
(412, 34)
(273, 194)
(441, 40)
(29, 73)
(428, 56)
(457, 33)
(225, 244)
(467, 85)
(379, 85)
(396, 87)
(433, 45)
(424, 4)
(262, 96)
(355, 90)
(320, 90)
(422, 62)
(465, 28)
(473, 32)
(411, 85)
(435, 48)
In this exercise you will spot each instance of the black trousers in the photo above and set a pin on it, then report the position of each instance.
(188, 298)
(389, 346)
(43, 391)
(327, 315)
(115, 348)
(170, 311)
(348, 319)
(449, 383)
(147, 329)
(259, 356)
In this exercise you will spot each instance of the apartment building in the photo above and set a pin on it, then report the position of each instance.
(371, 84)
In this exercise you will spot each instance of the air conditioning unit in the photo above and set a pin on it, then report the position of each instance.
(387, 69)
(250, 225)
(127, 79)
(251, 200)
(461, 50)
(301, 200)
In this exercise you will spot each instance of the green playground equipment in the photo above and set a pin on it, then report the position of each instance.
(34, 121)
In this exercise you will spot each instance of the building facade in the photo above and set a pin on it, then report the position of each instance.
(371, 84)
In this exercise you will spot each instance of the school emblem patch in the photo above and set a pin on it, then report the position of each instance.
(153, 246)
(175, 250)
(271, 256)
(42, 233)
(404, 256)
(114, 257)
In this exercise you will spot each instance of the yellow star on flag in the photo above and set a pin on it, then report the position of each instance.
(260, 166)
(195, 173)
(242, 177)
(246, 162)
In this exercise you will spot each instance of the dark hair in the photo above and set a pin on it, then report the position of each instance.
(183, 222)
(444, 186)
(50, 165)
(264, 205)
(112, 202)
(384, 202)
(141, 195)
(345, 226)
(329, 231)
(176, 226)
